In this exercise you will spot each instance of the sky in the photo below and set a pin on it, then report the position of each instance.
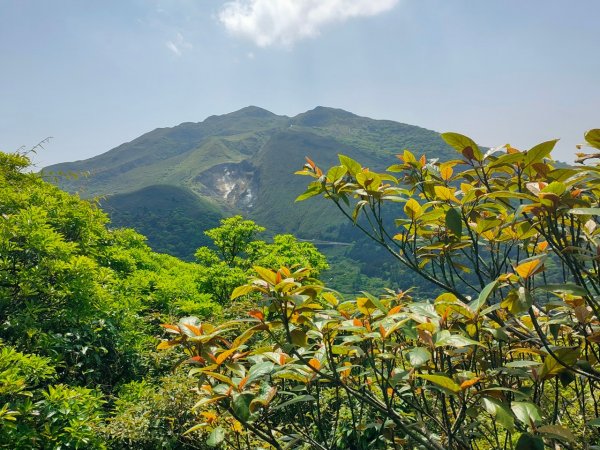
(96, 73)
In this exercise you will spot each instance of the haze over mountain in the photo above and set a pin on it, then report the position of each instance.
(172, 183)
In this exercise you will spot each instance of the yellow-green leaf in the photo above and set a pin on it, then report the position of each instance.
(443, 193)
(464, 145)
(442, 381)
(241, 290)
(557, 432)
(593, 137)
(266, 274)
(412, 209)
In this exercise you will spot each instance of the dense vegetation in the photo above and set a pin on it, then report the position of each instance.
(80, 308)
(168, 216)
(505, 357)
(262, 354)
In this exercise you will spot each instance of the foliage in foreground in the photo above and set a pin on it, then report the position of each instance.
(507, 357)
(80, 308)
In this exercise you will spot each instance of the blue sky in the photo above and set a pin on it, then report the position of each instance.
(94, 74)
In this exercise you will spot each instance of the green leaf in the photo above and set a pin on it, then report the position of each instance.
(522, 363)
(418, 356)
(517, 300)
(352, 166)
(569, 288)
(510, 195)
(529, 442)
(314, 188)
(566, 378)
(301, 398)
(455, 340)
(241, 406)
(464, 145)
(442, 381)
(557, 432)
(539, 152)
(485, 293)
(594, 422)
(335, 173)
(551, 367)
(508, 159)
(215, 437)
(593, 137)
(259, 370)
(298, 337)
(585, 211)
(454, 222)
(500, 412)
(556, 187)
(375, 301)
(526, 412)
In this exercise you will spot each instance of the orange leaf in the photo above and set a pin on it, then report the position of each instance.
(310, 162)
(382, 331)
(243, 382)
(357, 323)
(468, 383)
(315, 364)
(226, 354)
(346, 372)
(256, 314)
(171, 328)
(194, 329)
(529, 268)
(210, 416)
(394, 310)
(446, 172)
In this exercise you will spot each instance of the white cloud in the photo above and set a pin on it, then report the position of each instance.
(178, 45)
(171, 46)
(283, 22)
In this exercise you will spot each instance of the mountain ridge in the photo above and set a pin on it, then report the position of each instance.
(243, 162)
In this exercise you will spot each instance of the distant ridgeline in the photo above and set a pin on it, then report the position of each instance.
(171, 184)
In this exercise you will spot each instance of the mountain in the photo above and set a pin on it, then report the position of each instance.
(172, 218)
(242, 162)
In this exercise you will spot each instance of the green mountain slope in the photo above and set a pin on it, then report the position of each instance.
(172, 218)
(242, 162)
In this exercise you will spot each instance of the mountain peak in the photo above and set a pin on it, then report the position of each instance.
(251, 111)
(322, 116)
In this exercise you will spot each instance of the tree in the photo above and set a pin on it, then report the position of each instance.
(233, 237)
(506, 357)
(79, 307)
(237, 251)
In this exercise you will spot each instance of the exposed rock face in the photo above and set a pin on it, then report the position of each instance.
(235, 183)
